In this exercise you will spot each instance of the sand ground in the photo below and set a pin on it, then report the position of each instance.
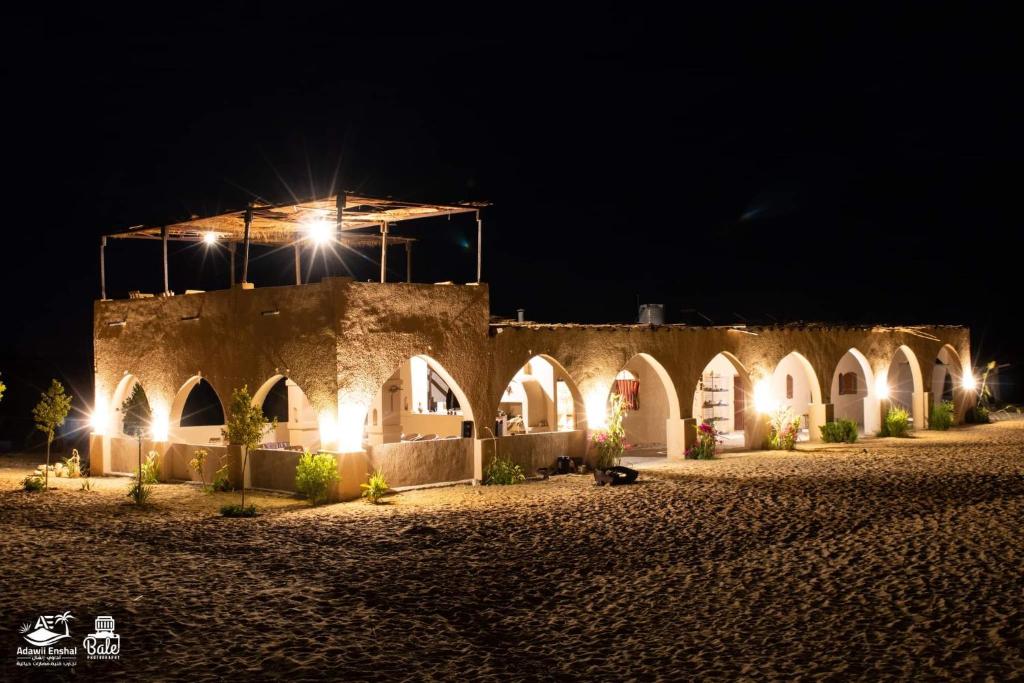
(903, 562)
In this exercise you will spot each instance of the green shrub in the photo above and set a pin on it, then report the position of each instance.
(198, 463)
(220, 480)
(140, 493)
(896, 423)
(236, 510)
(840, 431)
(941, 418)
(504, 472)
(314, 475)
(978, 415)
(375, 488)
(33, 483)
(150, 468)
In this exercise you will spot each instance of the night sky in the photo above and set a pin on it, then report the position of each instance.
(765, 164)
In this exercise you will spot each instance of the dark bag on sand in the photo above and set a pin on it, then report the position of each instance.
(615, 476)
(565, 465)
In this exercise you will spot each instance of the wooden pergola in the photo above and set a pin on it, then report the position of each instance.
(352, 221)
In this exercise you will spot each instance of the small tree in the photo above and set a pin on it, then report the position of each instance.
(53, 407)
(246, 425)
(136, 420)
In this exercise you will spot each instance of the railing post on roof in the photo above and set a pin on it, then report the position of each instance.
(408, 261)
(479, 246)
(232, 249)
(103, 268)
(383, 252)
(298, 263)
(245, 248)
(163, 239)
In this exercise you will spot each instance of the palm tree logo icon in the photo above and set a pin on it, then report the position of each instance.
(44, 632)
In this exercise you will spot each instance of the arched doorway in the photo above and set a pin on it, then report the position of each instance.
(794, 385)
(129, 388)
(298, 426)
(197, 414)
(853, 392)
(947, 374)
(540, 397)
(650, 401)
(420, 401)
(724, 398)
(905, 385)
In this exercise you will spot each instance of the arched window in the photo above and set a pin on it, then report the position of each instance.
(789, 386)
(628, 387)
(847, 383)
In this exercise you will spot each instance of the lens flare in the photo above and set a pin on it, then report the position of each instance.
(763, 400)
(321, 231)
(881, 387)
(969, 383)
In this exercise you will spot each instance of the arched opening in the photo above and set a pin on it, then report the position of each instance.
(794, 385)
(650, 400)
(724, 397)
(905, 385)
(541, 397)
(298, 427)
(197, 414)
(947, 373)
(853, 392)
(128, 389)
(420, 401)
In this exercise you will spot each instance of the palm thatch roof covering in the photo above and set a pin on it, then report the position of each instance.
(274, 224)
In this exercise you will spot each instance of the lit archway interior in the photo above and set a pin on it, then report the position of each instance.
(904, 380)
(724, 398)
(794, 385)
(650, 400)
(298, 427)
(197, 415)
(853, 392)
(125, 388)
(541, 397)
(419, 402)
(946, 374)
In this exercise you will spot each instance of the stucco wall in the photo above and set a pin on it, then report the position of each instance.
(531, 451)
(423, 462)
(340, 340)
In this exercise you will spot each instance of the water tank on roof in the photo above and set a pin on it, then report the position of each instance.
(651, 314)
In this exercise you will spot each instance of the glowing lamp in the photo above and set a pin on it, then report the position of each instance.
(968, 382)
(351, 418)
(882, 387)
(210, 238)
(763, 400)
(328, 430)
(159, 426)
(597, 411)
(98, 420)
(321, 231)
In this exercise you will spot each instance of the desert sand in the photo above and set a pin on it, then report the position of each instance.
(904, 562)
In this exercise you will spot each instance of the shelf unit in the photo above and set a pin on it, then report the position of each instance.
(714, 399)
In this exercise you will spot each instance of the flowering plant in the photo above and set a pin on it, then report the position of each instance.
(707, 443)
(784, 425)
(607, 442)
